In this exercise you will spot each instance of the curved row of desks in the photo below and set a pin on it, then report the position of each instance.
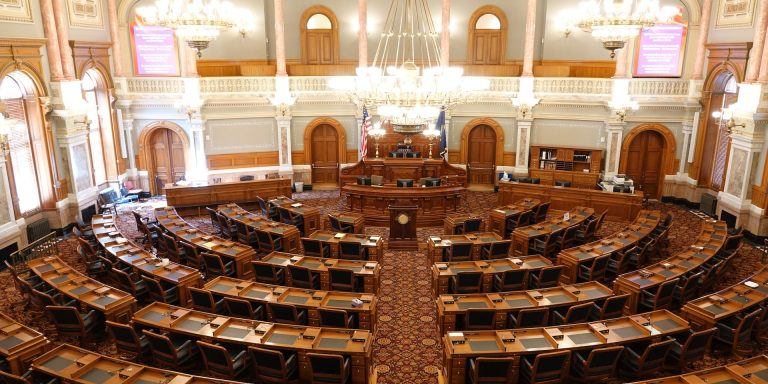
(228, 330)
(436, 245)
(753, 370)
(367, 271)
(289, 233)
(497, 217)
(373, 244)
(442, 272)
(522, 237)
(19, 344)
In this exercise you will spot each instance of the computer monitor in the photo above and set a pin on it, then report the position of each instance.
(405, 182)
(432, 182)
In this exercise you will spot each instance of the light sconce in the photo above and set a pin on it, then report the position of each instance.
(431, 133)
(282, 98)
(525, 105)
(726, 120)
(622, 109)
(377, 132)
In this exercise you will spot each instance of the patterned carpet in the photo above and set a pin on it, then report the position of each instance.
(407, 346)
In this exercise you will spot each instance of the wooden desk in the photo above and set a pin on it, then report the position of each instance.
(19, 344)
(620, 206)
(708, 243)
(572, 258)
(113, 303)
(742, 297)
(442, 272)
(368, 271)
(374, 244)
(372, 202)
(522, 237)
(453, 222)
(437, 244)
(71, 364)
(234, 192)
(240, 254)
(143, 262)
(460, 346)
(392, 169)
(310, 300)
(356, 220)
(222, 329)
(753, 370)
(497, 217)
(289, 233)
(452, 307)
(311, 215)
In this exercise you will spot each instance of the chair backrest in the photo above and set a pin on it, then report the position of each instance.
(541, 212)
(239, 308)
(190, 251)
(172, 246)
(214, 217)
(578, 313)
(216, 358)
(213, 263)
(461, 249)
(655, 354)
(224, 223)
(123, 280)
(568, 239)
(745, 326)
(698, 342)
(532, 317)
(732, 242)
(405, 182)
(600, 219)
(202, 300)
(312, 247)
(335, 225)
(161, 345)
(125, 337)
(515, 277)
(469, 279)
(341, 276)
(350, 249)
(663, 298)
(480, 318)
(493, 369)
(549, 276)
(545, 364)
(603, 359)
(613, 306)
(43, 298)
(264, 271)
(87, 247)
(284, 312)
(500, 249)
(333, 317)
(524, 218)
(154, 288)
(302, 275)
(65, 316)
(472, 225)
(269, 364)
(246, 178)
(326, 367)
(9, 378)
(689, 285)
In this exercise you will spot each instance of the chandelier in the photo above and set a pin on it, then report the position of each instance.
(406, 83)
(616, 22)
(196, 21)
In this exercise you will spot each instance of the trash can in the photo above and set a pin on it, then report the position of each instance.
(299, 186)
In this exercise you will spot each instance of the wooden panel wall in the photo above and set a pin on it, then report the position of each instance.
(243, 160)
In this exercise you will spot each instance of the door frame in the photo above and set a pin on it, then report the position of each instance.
(496, 11)
(144, 145)
(668, 157)
(341, 134)
(474, 123)
(327, 12)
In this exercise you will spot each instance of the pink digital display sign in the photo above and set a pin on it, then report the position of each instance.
(154, 51)
(659, 51)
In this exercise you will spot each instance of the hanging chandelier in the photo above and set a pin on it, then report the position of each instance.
(616, 22)
(196, 21)
(406, 83)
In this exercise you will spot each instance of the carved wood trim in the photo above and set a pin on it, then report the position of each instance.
(464, 149)
(340, 133)
(668, 160)
(309, 12)
(145, 150)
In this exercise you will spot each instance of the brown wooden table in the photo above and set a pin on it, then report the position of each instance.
(437, 244)
(497, 217)
(522, 237)
(368, 271)
(453, 222)
(753, 370)
(310, 300)
(222, 329)
(442, 272)
(355, 219)
(433, 203)
(572, 258)
(143, 262)
(198, 195)
(113, 303)
(452, 307)
(461, 346)
(374, 244)
(710, 240)
(311, 215)
(289, 233)
(19, 344)
(240, 254)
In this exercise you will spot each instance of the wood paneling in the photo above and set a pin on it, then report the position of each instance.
(243, 160)
(481, 155)
(434, 203)
(398, 168)
(760, 197)
(509, 159)
(322, 70)
(89, 55)
(298, 158)
(224, 193)
(214, 68)
(644, 162)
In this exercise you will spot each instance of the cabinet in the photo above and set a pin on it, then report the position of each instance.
(578, 166)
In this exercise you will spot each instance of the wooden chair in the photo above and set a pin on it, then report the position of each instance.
(29, 377)
(71, 323)
(595, 365)
(496, 370)
(735, 333)
(245, 235)
(93, 266)
(547, 247)
(480, 319)
(326, 368)
(687, 288)
(541, 212)
(192, 253)
(510, 280)
(302, 277)
(143, 226)
(547, 277)
(342, 279)
(314, 247)
(215, 265)
(266, 210)
(587, 233)
(137, 288)
(466, 282)
(458, 251)
(129, 342)
(221, 362)
(157, 292)
(352, 250)
(528, 318)
(545, 368)
(520, 220)
(611, 308)
(336, 318)
(689, 347)
(203, 300)
(643, 363)
(619, 262)
(268, 273)
(214, 216)
(243, 309)
(159, 245)
(568, 239)
(578, 313)
(496, 250)
(174, 352)
(227, 228)
(338, 226)
(470, 226)
(271, 366)
(267, 243)
(661, 299)
(596, 271)
(175, 253)
(287, 314)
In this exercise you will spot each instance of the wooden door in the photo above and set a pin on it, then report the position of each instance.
(481, 154)
(644, 162)
(319, 46)
(325, 155)
(487, 47)
(167, 156)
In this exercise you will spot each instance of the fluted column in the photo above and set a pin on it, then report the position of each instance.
(687, 132)
(530, 34)
(362, 34)
(280, 38)
(615, 131)
(62, 32)
(117, 54)
(523, 145)
(445, 35)
(701, 45)
(763, 77)
(52, 40)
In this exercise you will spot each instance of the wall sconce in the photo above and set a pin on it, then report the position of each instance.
(725, 115)
(621, 110)
(525, 105)
(377, 132)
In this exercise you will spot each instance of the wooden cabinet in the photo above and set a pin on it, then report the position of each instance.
(578, 166)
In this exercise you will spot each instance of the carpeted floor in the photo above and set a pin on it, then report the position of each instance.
(407, 346)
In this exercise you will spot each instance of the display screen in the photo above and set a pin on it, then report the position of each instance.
(659, 51)
(154, 51)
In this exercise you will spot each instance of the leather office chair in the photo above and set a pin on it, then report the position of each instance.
(734, 333)
(660, 299)
(336, 318)
(138, 288)
(578, 313)
(40, 300)
(547, 277)
(596, 271)
(338, 226)
(568, 238)
(214, 216)
(595, 365)
(458, 251)
(129, 342)
(227, 228)
(272, 366)
(29, 377)
(71, 323)
(268, 273)
(192, 253)
(352, 250)
(326, 368)
(243, 309)
(268, 243)
(159, 245)
(511, 280)
(587, 233)
(470, 226)
(287, 314)
(520, 220)
(215, 265)
(689, 347)
(168, 295)
(466, 282)
(93, 266)
(302, 277)
(547, 246)
(496, 250)
(267, 211)
(245, 235)
(545, 368)
(174, 352)
(314, 247)
(288, 217)
(642, 363)
(203, 300)
(143, 226)
(342, 279)
(687, 288)
(480, 319)
(541, 212)
(496, 370)
(611, 308)
(221, 362)
(175, 253)
(619, 262)
(528, 318)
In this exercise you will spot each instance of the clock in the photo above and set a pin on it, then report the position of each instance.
(402, 227)
(403, 219)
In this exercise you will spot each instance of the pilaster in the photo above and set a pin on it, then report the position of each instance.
(615, 135)
(523, 146)
(687, 131)
(284, 143)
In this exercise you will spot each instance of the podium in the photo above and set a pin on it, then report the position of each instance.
(402, 227)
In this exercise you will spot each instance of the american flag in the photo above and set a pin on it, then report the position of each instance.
(364, 128)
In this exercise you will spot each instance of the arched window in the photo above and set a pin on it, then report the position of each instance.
(319, 36)
(22, 171)
(100, 135)
(487, 36)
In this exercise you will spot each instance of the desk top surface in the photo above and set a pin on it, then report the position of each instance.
(236, 213)
(492, 266)
(753, 370)
(576, 216)
(339, 237)
(226, 184)
(734, 299)
(643, 225)
(318, 264)
(15, 336)
(172, 222)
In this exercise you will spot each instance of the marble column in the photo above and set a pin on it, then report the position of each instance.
(758, 42)
(763, 76)
(284, 144)
(445, 35)
(6, 208)
(52, 40)
(117, 54)
(62, 32)
(188, 58)
(687, 132)
(530, 35)
(621, 62)
(701, 44)
(197, 125)
(125, 123)
(280, 38)
(523, 145)
(362, 34)
(615, 133)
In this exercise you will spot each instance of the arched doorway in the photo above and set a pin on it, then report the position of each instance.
(325, 155)
(647, 155)
(481, 154)
(164, 149)
(319, 36)
(716, 138)
(487, 42)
